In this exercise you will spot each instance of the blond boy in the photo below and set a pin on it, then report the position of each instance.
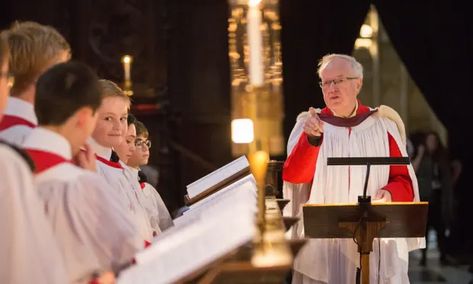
(34, 49)
(27, 245)
(109, 133)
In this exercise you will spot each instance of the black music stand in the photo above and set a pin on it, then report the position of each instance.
(365, 221)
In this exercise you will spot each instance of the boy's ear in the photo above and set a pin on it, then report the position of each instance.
(83, 116)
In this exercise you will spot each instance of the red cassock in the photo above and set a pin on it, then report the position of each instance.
(308, 179)
(300, 165)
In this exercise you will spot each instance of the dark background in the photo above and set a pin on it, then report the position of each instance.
(181, 70)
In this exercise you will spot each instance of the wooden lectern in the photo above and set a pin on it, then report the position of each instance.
(365, 221)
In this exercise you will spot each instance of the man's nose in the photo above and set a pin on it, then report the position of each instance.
(332, 86)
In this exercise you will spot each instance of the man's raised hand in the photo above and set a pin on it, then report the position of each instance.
(313, 126)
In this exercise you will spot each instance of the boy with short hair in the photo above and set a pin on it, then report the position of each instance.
(34, 49)
(160, 216)
(27, 244)
(108, 134)
(94, 233)
(125, 150)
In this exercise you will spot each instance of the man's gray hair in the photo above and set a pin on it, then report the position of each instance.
(355, 65)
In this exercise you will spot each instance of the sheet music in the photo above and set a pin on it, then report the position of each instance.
(210, 229)
(243, 190)
(227, 202)
(183, 219)
(194, 246)
(216, 176)
(247, 183)
(179, 224)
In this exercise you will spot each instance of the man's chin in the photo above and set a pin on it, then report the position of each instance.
(335, 103)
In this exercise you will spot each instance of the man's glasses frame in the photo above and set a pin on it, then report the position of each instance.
(335, 82)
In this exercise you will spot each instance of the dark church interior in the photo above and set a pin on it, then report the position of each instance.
(182, 81)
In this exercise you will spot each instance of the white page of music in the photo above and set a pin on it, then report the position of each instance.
(216, 176)
(247, 184)
(195, 245)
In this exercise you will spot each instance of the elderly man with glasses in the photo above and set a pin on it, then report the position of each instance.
(346, 128)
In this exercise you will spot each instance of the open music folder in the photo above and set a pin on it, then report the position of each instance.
(211, 229)
(217, 180)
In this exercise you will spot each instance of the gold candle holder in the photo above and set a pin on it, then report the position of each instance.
(256, 71)
(271, 248)
(256, 85)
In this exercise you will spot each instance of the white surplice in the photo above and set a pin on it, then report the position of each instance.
(157, 211)
(88, 221)
(335, 260)
(29, 252)
(17, 134)
(164, 217)
(132, 178)
(116, 178)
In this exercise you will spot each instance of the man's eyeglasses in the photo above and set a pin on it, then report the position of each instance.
(10, 78)
(141, 143)
(335, 82)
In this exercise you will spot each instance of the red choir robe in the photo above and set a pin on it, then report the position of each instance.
(300, 165)
(307, 179)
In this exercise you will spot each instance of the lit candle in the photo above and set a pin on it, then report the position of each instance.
(259, 165)
(126, 60)
(255, 43)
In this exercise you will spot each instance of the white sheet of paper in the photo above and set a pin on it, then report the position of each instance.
(212, 228)
(216, 176)
(194, 246)
(247, 184)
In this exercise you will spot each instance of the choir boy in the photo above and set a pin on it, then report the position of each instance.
(27, 244)
(95, 235)
(34, 48)
(160, 214)
(108, 134)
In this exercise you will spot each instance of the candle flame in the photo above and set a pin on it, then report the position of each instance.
(127, 59)
(259, 165)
